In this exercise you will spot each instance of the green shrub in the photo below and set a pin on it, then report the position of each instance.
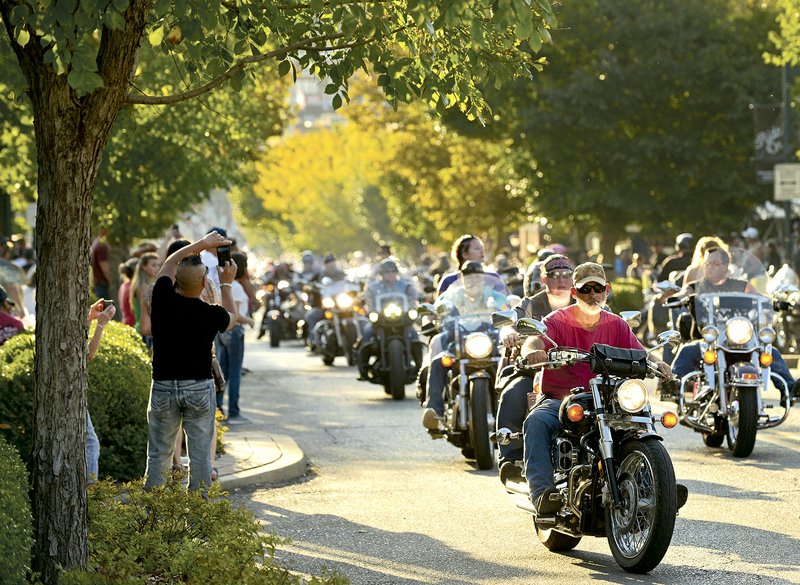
(169, 535)
(16, 523)
(626, 295)
(119, 386)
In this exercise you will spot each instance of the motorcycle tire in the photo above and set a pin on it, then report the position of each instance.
(397, 369)
(274, 333)
(639, 532)
(742, 421)
(479, 428)
(713, 439)
(556, 541)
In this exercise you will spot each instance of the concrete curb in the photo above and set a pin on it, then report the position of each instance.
(259, 459)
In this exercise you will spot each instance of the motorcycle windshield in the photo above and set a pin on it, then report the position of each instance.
(472, 299)
(718, 309)
(339, 286)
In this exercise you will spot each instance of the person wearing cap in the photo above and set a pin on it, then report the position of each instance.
(329, 271)
(580, 326)
(557, 279)
(9, 325)
(754, 245)
(475, 297)
(390, 282)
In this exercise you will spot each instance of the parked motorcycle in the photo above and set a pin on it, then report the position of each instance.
(394, 365)
(613, 475)
(723, 399)
(337, 332)
(471, 357)
(283, 310)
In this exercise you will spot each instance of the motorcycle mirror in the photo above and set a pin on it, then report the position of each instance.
(426, 309)
(632, 318)
(503, 435)
(503, 318)
(670, 336)
(512, 301)
(527, 326)
(666, 286)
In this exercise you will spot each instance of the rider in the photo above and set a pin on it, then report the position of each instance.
(388, 283)
(309, 271)
(473, 297)
(715, 280)
(466, 248)
(578, 326)
(513, 406)
(684, 245)
(330, 271)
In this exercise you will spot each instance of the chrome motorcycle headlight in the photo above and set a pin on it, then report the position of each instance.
(328, 303)
(412, 314)
(632, 395)
(710, 333)
(766, 335)
(392, 311)
(373, 317)
(738, 330)
(478, 345)
(283, 284)
(344, 301)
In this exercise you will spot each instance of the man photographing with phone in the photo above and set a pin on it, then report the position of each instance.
(184, 328)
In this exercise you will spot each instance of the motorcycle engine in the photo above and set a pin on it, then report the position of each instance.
(566, 455)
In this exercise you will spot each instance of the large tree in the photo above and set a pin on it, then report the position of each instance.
(80, 64)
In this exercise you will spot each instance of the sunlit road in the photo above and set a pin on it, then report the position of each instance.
(385, 504)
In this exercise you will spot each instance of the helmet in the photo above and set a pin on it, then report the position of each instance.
(308, 257)
(684, 241)
(388, 266)
(471, 267)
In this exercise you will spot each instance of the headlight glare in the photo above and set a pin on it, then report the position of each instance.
(632, 395)
(328, 303)
(344, 301)
(478, 345)
(373, 317)
(412, 314)
(738, 330)
(392, 311)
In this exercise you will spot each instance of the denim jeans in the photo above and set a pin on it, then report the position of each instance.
(230, 353)
(92, 451)
(688, 360)
(511, 412)
(172, 403)
(540, 429)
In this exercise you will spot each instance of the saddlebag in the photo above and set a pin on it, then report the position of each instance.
(617, 361)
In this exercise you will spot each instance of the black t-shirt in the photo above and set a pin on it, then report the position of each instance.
(183, 333)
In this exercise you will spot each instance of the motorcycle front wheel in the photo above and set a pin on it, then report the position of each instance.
(274, 333)
(742, 420)
(397, 369)
(480, 412)
(640, 530)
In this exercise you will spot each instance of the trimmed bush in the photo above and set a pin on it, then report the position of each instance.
(119, 387)
(169, 535)
(16, 523)
(626, 295)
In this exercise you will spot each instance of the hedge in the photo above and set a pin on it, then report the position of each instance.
(119, 387)
(16, 523)
(626, 295)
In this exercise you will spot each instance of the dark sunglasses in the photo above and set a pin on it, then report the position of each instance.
(592, 288)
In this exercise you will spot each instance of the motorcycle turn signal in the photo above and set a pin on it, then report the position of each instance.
(669, 419)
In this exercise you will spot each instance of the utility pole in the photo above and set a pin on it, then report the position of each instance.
(786, 82)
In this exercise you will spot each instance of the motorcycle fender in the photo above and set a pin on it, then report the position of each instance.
(645, 436)
(744, 374)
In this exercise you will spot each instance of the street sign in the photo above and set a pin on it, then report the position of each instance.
(787, 181)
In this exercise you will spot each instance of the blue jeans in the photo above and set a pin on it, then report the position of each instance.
(689, 356)
(172, 403)
(540, 429)
(230, 353)
(92, 451)
(511, 412)
(313, 317)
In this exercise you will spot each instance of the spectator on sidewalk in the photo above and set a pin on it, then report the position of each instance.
(103, 314)
(230, 345)
(143, 276)
(101, 270)
(184, 328)
(126, 270)
(9, 324)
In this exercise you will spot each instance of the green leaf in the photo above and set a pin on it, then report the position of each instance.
(337, 102)
(284, 67)
(22, 36)
(156, 36)
(83, 81)
(114, 20)
(331, 88)
(162, 7)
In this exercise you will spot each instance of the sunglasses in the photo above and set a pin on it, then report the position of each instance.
(592, 288)
(559, 274)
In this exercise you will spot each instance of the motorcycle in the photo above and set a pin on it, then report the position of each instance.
(471, 358)
(785, 294)
(337, 332)
(614, 477)
(723, 399)
(394, 365)
(283, 311)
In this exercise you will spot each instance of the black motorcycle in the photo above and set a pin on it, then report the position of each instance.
(341, 326)
(613, 475)
(394, 361)
(283, 310)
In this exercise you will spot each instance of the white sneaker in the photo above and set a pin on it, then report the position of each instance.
(430, 420)
(238, 420)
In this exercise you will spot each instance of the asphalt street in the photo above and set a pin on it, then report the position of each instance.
(385, 504)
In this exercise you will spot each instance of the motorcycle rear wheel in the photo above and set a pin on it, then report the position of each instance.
(640, 531)
(397, 369)
(742, 421)
(274, 333)
(480, 411)
(556, 541)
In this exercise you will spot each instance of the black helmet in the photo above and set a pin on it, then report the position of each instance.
(471, 267)
(684, 241)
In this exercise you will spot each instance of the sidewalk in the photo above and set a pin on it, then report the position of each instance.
(253, 453)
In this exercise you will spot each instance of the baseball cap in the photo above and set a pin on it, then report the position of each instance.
(750, 233)
(588, 272)
(4, 297)
(221, 231)
(556, 262)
